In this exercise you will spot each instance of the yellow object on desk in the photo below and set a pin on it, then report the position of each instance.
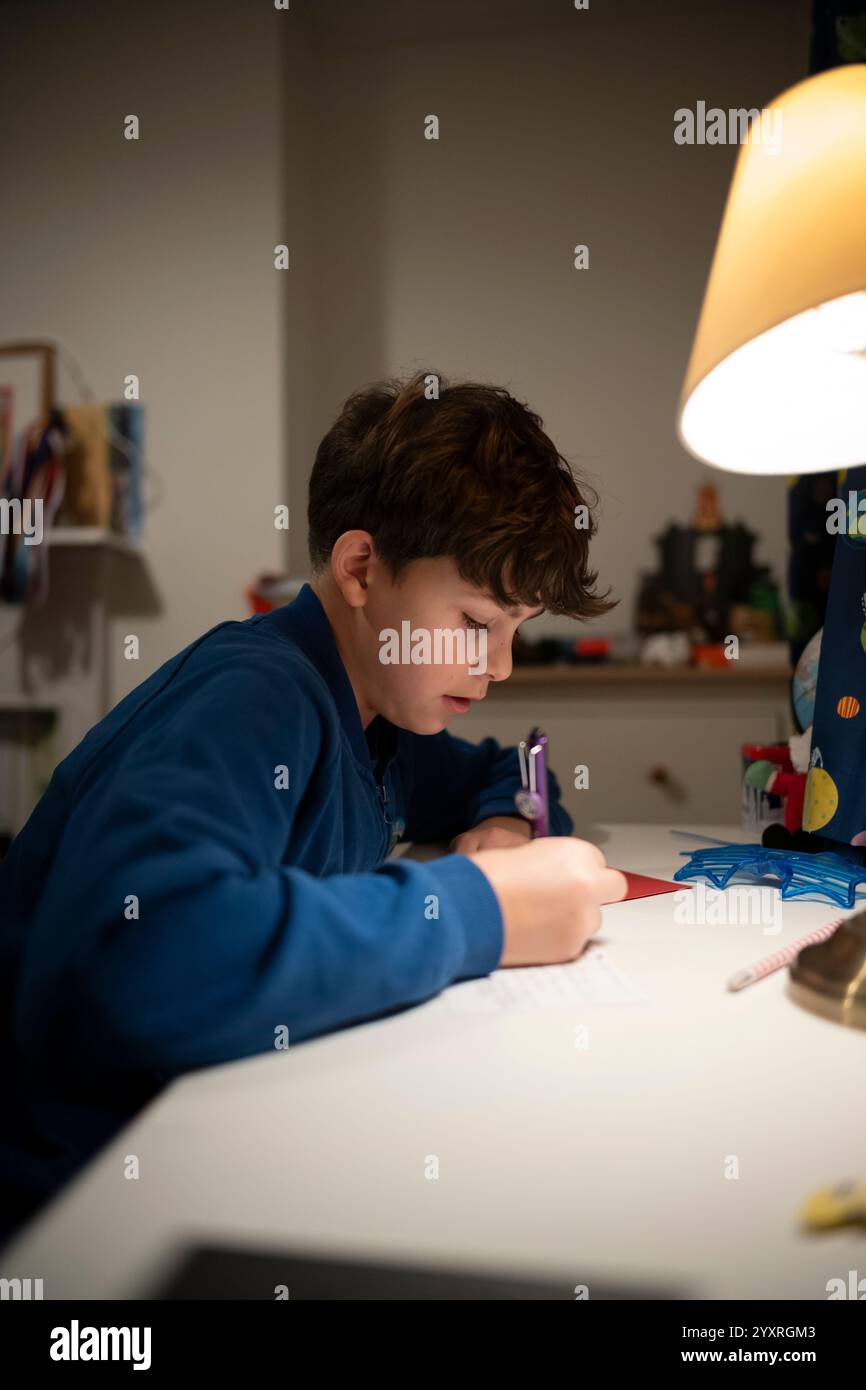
(842, 1205)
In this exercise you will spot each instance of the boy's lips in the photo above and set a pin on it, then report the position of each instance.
(461, 703)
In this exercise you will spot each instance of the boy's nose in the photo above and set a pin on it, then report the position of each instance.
(499, 662)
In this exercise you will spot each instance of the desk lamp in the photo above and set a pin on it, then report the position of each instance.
(776, 384)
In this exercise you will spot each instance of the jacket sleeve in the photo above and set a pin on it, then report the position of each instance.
(454, 784)
(170, 936)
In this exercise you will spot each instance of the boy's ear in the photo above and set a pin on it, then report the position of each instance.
(353, 560)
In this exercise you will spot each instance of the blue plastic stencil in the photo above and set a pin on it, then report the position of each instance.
(829, 876)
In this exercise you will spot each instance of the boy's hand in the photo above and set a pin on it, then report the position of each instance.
(550, 892)
(496, 832)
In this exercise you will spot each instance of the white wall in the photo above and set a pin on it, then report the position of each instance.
(156, 257)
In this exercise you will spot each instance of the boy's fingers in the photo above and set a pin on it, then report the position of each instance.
(613, 886)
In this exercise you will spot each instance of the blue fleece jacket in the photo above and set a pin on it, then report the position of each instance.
(207, 868)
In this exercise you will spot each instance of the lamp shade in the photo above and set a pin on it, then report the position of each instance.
(776, 382)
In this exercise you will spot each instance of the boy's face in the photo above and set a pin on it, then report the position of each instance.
(397, 618)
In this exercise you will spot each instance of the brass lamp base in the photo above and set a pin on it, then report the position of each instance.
(830, 977)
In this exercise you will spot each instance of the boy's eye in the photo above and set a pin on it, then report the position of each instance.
(471, 622)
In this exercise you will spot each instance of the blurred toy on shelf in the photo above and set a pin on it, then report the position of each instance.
(707, 584)
(268, 591)
(666, 649)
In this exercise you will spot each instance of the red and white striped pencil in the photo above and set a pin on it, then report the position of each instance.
(783, 956)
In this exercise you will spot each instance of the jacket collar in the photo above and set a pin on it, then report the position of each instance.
(305, 623)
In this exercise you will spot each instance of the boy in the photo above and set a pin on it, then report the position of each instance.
(206, 869)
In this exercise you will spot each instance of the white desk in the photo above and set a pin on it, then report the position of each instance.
(582, 1164)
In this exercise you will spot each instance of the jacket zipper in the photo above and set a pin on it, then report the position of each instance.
(383, 799)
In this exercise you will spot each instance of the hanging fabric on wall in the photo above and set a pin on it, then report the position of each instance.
(31, 493)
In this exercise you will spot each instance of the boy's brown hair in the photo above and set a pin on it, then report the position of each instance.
(470, 475)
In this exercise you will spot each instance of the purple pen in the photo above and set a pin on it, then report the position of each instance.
(531, 800)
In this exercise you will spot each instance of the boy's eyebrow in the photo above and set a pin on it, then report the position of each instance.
(511, 609)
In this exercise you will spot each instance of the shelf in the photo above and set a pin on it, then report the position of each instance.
(91, 536)
(26, 704)
(608, 673)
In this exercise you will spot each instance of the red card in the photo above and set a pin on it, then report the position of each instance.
(642, 886)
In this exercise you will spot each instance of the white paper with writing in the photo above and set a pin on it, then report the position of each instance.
(591, 979)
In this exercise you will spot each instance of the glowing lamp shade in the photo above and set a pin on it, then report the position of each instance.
(776, 382)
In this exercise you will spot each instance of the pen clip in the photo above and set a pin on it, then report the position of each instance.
(534, 754)
(524, 775)
(532, 799)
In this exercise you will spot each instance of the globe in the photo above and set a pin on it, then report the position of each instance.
(805, 681)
